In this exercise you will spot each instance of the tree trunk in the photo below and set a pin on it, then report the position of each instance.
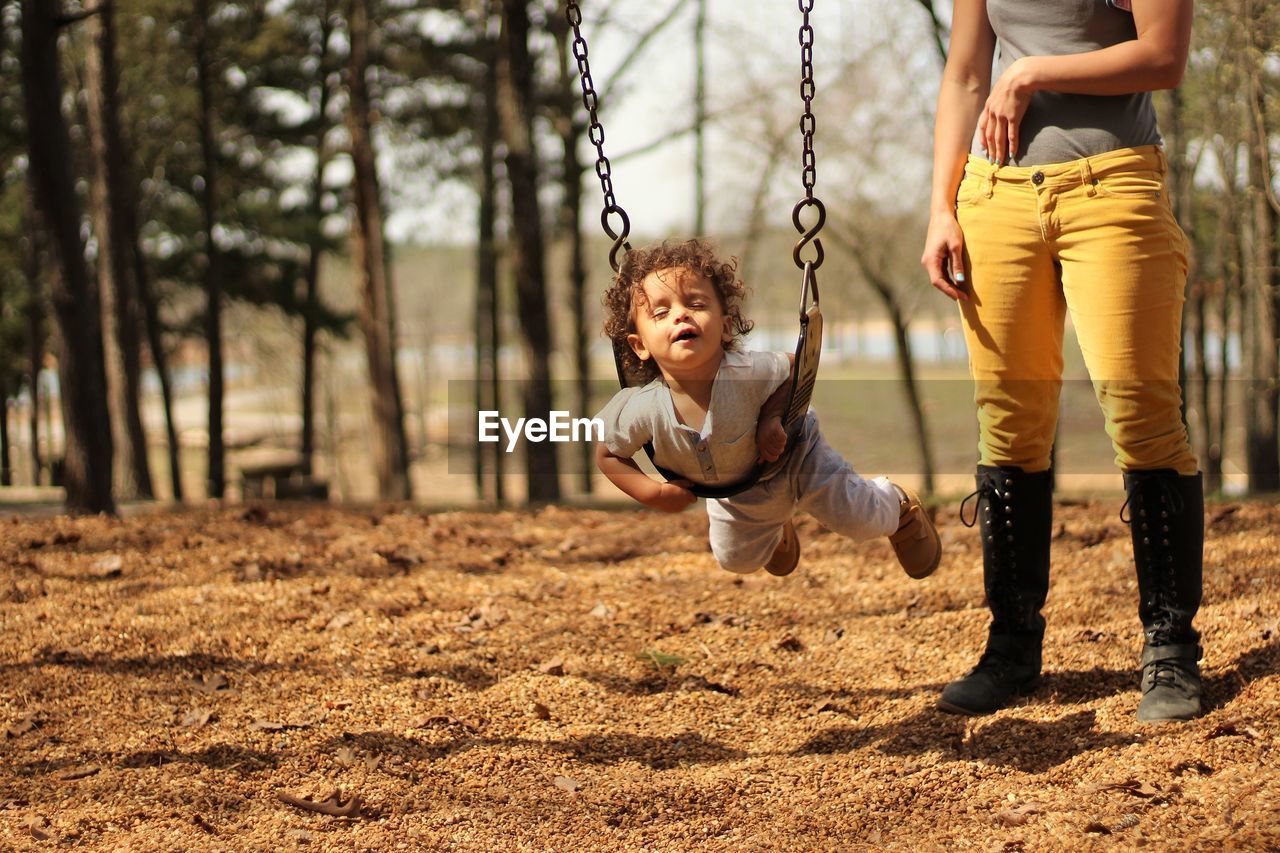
(700, 119)
(111, 193)
(515, 109)
(87, 466)
(487, 385)
(6, 457)
(217, 475)
(906, 361)
(570, 130)
(35, 319)
(160, 361)
(390, 444)
(315, 247)
(1263, 454)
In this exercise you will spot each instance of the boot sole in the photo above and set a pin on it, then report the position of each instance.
(1021, 690)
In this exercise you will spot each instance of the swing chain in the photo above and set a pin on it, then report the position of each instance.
(808, 126)
(595, 134)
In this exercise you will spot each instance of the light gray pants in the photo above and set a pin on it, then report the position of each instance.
(748, 526)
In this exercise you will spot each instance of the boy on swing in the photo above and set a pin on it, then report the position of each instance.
(711, 411)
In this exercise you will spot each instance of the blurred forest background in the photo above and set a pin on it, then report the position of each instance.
(271, 246)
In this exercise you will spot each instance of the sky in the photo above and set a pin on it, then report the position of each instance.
(753, 69)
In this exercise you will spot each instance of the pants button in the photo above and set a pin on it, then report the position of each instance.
(1037, 178)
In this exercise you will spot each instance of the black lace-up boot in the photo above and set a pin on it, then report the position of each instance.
(1166, 518)
(1015, 515)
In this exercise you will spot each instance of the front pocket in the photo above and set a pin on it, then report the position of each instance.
(973, 189)
(1143, 184)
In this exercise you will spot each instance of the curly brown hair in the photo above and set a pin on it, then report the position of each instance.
(626, 294)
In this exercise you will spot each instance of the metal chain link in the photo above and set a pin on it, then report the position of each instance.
(808, 123)
(595, 133)
(809, 160)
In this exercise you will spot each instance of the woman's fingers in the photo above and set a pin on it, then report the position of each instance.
(933, 264)
(957, 271)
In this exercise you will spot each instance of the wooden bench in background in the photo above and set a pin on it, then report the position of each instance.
(282, 478)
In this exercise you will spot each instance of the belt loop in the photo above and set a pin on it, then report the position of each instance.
(1086, 176)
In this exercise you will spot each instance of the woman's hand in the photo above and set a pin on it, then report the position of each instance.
(1003, 112)
(943, 255)
(670, 497)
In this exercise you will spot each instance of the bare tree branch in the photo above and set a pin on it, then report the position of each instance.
(939, 31)
(641, 43)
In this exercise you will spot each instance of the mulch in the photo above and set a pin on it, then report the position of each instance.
(391, 678)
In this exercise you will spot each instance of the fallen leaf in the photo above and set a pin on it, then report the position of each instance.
(1128, 821)
(1234, 728)
(564, 783)
(1017, 815)
(342, 620)
(555, 666)
(78, 773)
(661, 659)
(203, 824)
(5, 805)
(1198, 766)
(196, 718)
(332, 805)
(36, 827)
(346, 756)
(268, 725)
(21, 726)
(110, 566)
(823, 705)
(542, 712)
(789, 643)
(446, 720)
(211, 684)
(487, 615)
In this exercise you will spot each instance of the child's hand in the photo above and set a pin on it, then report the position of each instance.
(771, 439)
(671, 497)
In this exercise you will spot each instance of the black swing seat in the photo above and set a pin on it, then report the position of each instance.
(804, 375)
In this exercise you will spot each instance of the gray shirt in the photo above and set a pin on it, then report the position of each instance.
(1060, 127)
(724, 451)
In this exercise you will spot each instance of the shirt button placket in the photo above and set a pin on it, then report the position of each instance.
(704, 460)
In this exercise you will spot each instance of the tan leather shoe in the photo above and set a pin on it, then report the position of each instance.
(916, 540)
(787, 555)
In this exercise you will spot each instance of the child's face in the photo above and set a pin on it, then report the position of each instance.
(680, 322)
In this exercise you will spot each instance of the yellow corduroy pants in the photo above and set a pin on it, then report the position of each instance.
(1096, 237)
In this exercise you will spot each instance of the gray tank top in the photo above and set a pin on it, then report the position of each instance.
(1059, 127)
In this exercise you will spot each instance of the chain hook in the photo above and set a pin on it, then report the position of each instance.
(619, 237)
(810, 234)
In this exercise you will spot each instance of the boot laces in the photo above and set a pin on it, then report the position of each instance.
(1155, 557)
(994, 500)
(988, 489)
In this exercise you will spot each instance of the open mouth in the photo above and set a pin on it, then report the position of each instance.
(687, 335)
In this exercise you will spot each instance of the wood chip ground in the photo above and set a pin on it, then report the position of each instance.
(570, 679)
